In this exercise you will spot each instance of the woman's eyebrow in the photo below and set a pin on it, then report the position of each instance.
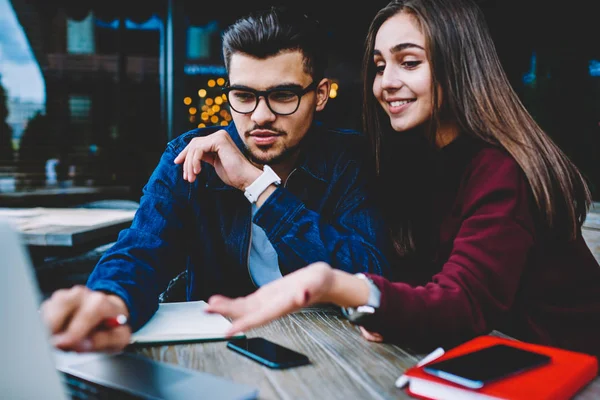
(399, 47)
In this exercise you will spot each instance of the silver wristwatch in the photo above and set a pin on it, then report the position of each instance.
(359, 315)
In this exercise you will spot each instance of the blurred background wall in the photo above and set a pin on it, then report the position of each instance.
(94, 89)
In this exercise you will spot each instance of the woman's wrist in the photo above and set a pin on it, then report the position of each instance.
(346, 290)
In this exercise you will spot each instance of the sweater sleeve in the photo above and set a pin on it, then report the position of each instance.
(478, 282)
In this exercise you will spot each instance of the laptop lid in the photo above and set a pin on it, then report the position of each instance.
(24, 346)
(31, 365)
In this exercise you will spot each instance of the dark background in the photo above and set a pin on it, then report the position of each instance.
(125, 125)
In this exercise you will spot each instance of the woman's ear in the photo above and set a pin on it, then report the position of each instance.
(322, 91)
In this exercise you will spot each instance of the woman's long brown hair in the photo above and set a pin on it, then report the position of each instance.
(478, 96)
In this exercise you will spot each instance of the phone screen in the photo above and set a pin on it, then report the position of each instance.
(268, 353)
(482, 366)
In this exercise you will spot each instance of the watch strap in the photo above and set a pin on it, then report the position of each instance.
(360, 314)
(374, 293)
(260, 184)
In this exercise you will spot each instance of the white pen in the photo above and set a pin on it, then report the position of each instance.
(437, 353)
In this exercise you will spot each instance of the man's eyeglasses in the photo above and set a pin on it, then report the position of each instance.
(280, 100)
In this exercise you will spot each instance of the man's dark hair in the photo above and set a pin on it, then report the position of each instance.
(270, 32)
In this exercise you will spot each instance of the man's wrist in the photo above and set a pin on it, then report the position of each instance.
(252, 176)
(267, 178)
(119, 302)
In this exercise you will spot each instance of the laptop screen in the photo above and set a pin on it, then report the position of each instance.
(24, 345)
(28, 356)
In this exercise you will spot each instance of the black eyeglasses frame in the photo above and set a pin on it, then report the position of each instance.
(300, 92)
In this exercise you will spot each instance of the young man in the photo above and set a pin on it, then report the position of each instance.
(240, 207)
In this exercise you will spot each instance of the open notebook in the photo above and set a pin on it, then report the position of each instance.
(183, 322)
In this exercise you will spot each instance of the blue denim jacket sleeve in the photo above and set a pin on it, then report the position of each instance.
(135, 267)
(352, 239)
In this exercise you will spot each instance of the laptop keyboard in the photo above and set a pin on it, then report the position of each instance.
(78, 388)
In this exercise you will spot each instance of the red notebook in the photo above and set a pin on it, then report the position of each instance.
(566, 374)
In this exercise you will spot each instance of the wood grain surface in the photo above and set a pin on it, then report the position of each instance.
(343, 364)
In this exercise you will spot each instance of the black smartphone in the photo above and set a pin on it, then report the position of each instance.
(268, 353)
(479, 367)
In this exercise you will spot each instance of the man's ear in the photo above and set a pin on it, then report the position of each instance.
(322, 91)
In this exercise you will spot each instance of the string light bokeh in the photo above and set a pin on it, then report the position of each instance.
(209, 107)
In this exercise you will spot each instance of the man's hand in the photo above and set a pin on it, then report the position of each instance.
(75, 317)
(219, 150)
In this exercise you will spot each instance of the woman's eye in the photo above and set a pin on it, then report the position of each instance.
(379, 69)
(411, 64)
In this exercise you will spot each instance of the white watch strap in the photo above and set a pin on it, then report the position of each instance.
(374, 293)
(355, 314)
(255, 189)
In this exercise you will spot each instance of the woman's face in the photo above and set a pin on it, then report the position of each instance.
(402, 84)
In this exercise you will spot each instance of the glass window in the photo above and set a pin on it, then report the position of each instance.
(82, 91)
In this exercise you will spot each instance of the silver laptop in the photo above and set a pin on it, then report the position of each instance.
(32, 369)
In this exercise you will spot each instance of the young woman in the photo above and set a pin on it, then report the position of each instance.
(488, 226)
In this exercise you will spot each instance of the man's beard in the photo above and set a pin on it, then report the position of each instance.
(263, 158)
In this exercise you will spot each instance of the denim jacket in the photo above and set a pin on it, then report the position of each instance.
(322, 212)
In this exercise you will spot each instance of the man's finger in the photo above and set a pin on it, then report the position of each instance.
(181, 156)
(109, 340)
(185, 166)
(189, 164)
(195, 163)
(59, 308)
(90, 314)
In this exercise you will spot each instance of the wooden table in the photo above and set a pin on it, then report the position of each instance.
(67, 227)
(61, 196)
(344, 365)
